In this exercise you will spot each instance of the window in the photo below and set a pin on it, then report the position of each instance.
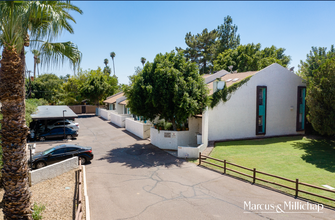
(301, 108)
(70, 149)
(261, 110)
(58, 151)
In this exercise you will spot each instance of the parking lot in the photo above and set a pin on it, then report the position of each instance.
(131, 179)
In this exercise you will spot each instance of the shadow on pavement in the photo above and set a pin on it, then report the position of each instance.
(141, 156)
(114, 125)
(132, 135)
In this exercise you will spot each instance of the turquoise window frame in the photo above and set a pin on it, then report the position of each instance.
(261, 110)
(301, 108)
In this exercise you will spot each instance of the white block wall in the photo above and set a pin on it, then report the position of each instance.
(118, 119)
(178, 138)
(53, 170)
(138, 128)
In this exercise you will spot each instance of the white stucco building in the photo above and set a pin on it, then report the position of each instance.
(271, 103)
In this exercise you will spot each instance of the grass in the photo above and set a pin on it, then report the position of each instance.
(310, 161)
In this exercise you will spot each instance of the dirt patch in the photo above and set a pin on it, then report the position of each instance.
(58, 195)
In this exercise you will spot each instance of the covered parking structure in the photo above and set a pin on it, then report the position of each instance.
(49, 113)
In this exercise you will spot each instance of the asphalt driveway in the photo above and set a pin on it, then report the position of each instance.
(131, 179)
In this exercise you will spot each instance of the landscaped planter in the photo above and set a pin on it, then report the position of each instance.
(138, 128)
(169, 140)
(118, 119)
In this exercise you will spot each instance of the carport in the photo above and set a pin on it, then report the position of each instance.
(47, 113)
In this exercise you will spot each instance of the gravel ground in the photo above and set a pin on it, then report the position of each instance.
(59, 202)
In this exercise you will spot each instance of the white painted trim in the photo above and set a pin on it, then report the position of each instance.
(87, 204)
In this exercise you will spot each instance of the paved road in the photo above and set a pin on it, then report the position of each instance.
(131, 179)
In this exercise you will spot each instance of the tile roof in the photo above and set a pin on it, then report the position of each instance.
(112, 99)
(229, 79)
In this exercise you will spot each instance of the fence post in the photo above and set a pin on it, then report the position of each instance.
(254, 177)
(224, 165)
(296, 187)
(199, 158)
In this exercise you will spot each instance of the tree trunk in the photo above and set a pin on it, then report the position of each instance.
(14, 132)
(113, 66)
(34, 67)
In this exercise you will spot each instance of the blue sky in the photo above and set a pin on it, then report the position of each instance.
(135, 29)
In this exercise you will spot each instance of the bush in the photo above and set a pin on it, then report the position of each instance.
(31, 107)
(37, 211)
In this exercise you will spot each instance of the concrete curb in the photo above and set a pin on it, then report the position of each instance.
(87, 204)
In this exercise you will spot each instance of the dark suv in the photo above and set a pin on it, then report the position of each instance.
(58, 133)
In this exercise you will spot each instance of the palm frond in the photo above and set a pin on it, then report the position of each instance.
(54, 54)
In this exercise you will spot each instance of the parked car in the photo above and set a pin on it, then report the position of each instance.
(58, 133)
(59, 153)
(60, 124)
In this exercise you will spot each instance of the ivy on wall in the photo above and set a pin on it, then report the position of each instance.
(226, 93)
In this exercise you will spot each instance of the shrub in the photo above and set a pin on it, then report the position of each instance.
(37, 211)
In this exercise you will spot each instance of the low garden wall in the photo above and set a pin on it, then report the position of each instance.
(169, 140)
(105, 114)
(190, 152)
(118, 119)
(52, 171)
(138, 128)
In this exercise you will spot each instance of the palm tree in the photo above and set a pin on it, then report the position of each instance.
(143, 60)
(38, 61)
(21, 23)
(106, 61)
(112, 56)
(36, 55)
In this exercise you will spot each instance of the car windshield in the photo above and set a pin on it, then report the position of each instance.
(48, 151)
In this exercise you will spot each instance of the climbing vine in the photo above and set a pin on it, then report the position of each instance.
(225, 93)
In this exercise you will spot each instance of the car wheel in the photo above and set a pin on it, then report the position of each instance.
(83, 160)
(42, 138)
(69, 137)
(40, 165)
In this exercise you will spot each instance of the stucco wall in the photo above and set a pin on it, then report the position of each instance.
(118, 119)
(205, 128)
(53, 170)
(138, 128)
(169, 140)
(190, 152)
(105, 114)
(236, 118)
(194, 124)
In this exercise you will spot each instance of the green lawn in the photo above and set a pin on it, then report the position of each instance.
(310, 161)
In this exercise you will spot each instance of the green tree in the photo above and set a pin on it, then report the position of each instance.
(36, 57)
(227, 36)
(320, 98)
(170, 88)
(71, 89)
(201, 49)
(112, 54)
(22, 23)
(106, 61)
(143, 61)
(316, 57)
(250, 57)
(97, 86)
(48, 87)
